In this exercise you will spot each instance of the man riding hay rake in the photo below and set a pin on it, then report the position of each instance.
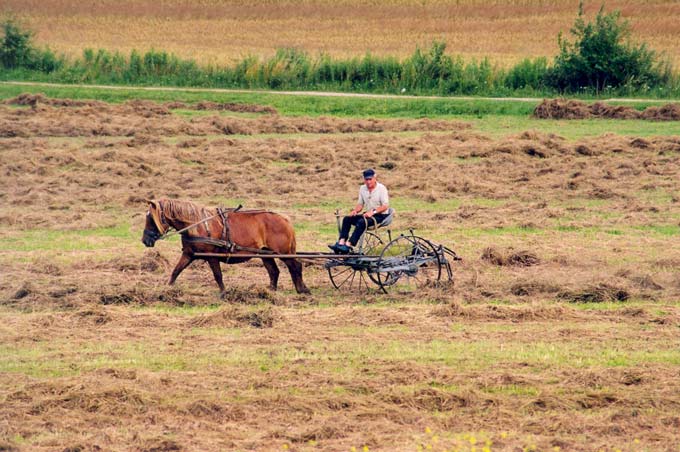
(361, 261)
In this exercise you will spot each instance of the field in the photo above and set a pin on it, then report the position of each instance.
(220, 32)
(559, 333)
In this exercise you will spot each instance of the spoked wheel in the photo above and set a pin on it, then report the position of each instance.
(347, 278)
(371, 244)
(407, 263)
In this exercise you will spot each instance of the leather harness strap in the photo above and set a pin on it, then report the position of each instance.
(226, 233)
(226, 241)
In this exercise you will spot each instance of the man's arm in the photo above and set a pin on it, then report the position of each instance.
(377, 210)
(358, 208)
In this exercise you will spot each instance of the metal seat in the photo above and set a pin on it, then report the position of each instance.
(371, 226)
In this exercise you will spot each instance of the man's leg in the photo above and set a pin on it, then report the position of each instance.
(362, 224)
(358, 231)
(347, 224)
(379, 217)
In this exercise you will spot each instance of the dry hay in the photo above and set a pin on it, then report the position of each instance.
(643, 281)
(144, 106)
(34, 100)
(215, 410)
(597, 293)
(151, 119)
(498, 312)
(222, 106)
(94, 315)
(251, 295)
(153, 261)
(561, 109)
(434, 400)
(668, 112)
(141, 295)
(117, 401)
(531, 287)
(236, 316)
(327, 387)
(235, 107)
(575, 109)
(509, 257)
(160, 445)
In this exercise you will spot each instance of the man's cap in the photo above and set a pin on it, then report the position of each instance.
(368, 173)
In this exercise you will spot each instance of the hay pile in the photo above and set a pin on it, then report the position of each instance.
(597, 293)
(236, 317)
(574, 109)
(510, 258)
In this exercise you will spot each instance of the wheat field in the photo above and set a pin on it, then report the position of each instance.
(220, 32)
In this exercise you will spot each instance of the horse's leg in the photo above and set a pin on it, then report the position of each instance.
(295, 269)
(183, 263)
(273, 271)
(217, 272)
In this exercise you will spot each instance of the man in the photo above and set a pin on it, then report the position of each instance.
(374, 202)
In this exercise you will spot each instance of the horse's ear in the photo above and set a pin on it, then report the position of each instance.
(151, 203)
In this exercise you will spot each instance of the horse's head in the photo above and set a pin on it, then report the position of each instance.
(156, 225)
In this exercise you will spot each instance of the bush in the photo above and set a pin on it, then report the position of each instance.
(16, 50)
(527, 74)
(602, 58)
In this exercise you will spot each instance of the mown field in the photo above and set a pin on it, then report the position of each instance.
(220, 32)
(561, 331)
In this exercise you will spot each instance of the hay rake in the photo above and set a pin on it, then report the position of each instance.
(404, 264)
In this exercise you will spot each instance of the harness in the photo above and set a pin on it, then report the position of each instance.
(225, 241)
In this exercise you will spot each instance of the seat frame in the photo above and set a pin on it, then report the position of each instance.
(371, 228)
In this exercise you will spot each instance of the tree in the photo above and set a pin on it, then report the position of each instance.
(15, 48)
(603, 57)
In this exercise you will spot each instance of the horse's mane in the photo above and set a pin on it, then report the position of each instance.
(184, 210)
(188, 211)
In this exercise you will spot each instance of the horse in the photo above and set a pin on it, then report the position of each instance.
(224, 230)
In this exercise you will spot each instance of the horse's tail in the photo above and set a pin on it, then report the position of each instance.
(293, 244)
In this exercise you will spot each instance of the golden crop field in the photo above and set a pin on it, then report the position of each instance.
(221, 31)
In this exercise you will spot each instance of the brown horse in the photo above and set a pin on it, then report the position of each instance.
(248, 231)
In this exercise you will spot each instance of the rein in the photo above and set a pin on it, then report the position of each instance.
(220, 213)
(226, 241)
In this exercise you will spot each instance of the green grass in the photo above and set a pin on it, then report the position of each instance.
(218, 332)
(49, 358)
(499, 126)
(226, 113)
(514, 231)
(78, 240)
(123, 235)
(617, 306)
(496, 118)
(307, 105)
